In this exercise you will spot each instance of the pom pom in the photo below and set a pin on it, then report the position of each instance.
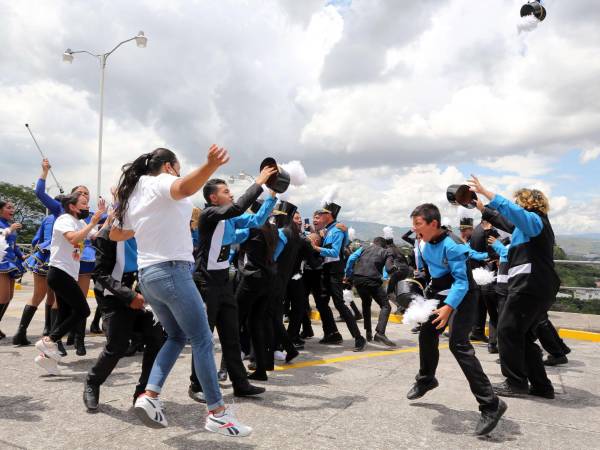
(297, 174)
(351, 233)
(330, 195)
(419, 311)
(3, 246)
(348, 296)
(483, 276)
(388, 233)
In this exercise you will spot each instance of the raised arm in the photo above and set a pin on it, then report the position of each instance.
(40, 191)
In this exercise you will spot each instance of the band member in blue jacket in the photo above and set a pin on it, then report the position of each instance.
(532, 287)
(332, 249)
(37, 263)
(445, 258)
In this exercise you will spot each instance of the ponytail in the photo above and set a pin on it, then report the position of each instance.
(146, 164)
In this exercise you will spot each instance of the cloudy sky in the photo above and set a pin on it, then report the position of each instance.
(390, 100)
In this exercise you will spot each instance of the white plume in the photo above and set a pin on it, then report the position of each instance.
(330, 194)
(3, 246)
(419, 311)
(285, 196)
(388, 232)
(297, 174)
(348, 296)
(527, 24)
(466, 213)
(483, 276)
(351, 233)
(445, 222)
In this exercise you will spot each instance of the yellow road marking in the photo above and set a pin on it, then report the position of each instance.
(320, 362)
(578, 335)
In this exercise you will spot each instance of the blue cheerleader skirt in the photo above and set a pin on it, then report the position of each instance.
(13, 267)
(38, 262)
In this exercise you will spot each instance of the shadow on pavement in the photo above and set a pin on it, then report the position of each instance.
(458, 422)
(21, 407)
(186, 442)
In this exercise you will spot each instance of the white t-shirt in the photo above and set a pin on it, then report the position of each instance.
(161, 224)
(64, 255)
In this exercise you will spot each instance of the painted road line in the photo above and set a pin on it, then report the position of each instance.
(320, 362)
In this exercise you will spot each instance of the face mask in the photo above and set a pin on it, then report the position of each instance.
(83, 214)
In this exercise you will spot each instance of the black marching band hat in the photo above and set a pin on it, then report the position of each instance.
(461, 194)
(284, 213)
(280, 181)
(466, 223)
(329, 208)
(535, 9)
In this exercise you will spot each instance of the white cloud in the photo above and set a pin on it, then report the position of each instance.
(530, 164)
(589, 155)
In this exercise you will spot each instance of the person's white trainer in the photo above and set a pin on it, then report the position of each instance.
(48, 364)
(50, 349)
(227, 425)
(149, 410)
(279, 356)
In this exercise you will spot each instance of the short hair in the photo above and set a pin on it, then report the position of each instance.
(211, 187)
(429, 212)
(532, 200)
(380, 242)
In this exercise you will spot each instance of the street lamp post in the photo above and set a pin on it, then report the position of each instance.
(141, 40)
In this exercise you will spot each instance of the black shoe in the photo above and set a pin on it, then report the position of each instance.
(416, 330)
(359, 344)
(544, 393)
(61, 348)
(20, 339)
(91, 396)
(290, 355)
(489, 420)
(506, 390)
(80, 347)
(2, 335)
(222, 375)
(566, 349)
(369, 336)
(258, 376)
(333, 338)
(95, 328)
(307, 334)
(420, 389)
(478, 337)
(358, 316)
(492, 348)
(555, 360)
(383, 339)
(298, 344)
(247, 390)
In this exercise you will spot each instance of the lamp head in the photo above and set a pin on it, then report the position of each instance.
(68, 56)
(141, 40)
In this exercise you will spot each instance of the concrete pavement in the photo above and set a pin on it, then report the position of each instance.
(330, 398)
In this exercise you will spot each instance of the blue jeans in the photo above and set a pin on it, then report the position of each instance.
(170, 290)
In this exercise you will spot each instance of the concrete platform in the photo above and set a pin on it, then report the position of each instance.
(329, 398)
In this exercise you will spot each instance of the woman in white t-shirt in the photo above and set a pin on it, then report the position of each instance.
(153, 206)
(68, 235)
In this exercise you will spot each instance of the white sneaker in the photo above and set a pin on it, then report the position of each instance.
(48, 364)
(50, 349)
(227, 425)
(196, 396)
(279, 356)
(149, 410)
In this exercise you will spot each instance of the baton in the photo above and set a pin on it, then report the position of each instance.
(44, 157)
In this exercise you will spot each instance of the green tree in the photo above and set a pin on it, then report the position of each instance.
(28, 209)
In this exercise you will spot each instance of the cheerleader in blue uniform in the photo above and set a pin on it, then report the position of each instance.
(11, 263)
(88, 256)
(37, 264)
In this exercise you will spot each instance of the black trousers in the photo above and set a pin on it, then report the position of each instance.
(119, 325)
(333, 287)
(280, 337)
(253, 296)
(222, 312)
(314, 282)
(461, 322)
(489, 297)
(299, 307)
(369, 290)
(549, 338)
(480, 312)
(520, 356)
(72, 304)
(313, 285)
